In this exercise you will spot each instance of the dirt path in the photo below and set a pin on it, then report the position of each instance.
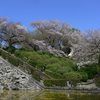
(92, 85)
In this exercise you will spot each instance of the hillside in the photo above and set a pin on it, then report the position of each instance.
(55, 66)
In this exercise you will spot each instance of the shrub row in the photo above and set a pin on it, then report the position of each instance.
(60, 82)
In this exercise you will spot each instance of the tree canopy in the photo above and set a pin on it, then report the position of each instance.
(52, 36)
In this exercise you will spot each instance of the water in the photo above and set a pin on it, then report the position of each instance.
(48, 95)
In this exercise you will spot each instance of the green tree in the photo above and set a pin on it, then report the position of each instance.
(72, 75)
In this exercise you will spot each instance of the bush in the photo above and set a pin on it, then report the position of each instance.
(35, 74)
(17, 53)
(3, 54)
(54, 74)
(55, 82)
(32, 58)
(90, 70)
(63, 70)
(98, 70)
(60, 82)
(72, 75)
(53, 60)
(75, 67)
(53, 67)
(23, 49)
(13, 60)
(47, 82)
(97, 82)
(84, 76)
(66, 62)
(98, 67)
(40, 60)
(40, 52)
(11, 49)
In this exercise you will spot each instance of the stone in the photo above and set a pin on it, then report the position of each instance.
(12, 78)
(1, 63)
(1, 73)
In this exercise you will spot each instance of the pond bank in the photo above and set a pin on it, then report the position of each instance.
(87, 86)
(73, 89)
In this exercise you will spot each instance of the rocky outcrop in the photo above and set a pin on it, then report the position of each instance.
(12, 78)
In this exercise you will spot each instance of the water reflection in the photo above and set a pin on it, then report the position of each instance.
(48, 95)
(68, 95)
(18, 95)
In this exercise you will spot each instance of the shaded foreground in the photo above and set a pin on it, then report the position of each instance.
(48, 95)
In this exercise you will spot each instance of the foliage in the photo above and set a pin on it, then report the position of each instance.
(54, 74)
(98, 70)
(32, 59)
(10, 49)
(63, 70)
(51, 37)
(36, 75)
(11, 33)
(22, 65)
(56, 67)
(60, 82)
(72, 75)
(88, 46)
(47, 62)
(84, 76)
(91, 70)
(97, 82)
(13, 60)
(55, 82)
(3, 54)
(53, 67)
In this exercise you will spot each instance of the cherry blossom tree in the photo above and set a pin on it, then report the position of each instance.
(11, 33)
(94, 41)
(53, 32)
(86, 47)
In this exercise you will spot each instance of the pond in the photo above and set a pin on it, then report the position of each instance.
(47, 95)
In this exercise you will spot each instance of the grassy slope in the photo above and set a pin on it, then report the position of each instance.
(56, 67)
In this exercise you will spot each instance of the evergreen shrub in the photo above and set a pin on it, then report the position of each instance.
(97, 82)
(13, 60)
(54, 74)
(35, 74)
(84, 76)
(60, 82)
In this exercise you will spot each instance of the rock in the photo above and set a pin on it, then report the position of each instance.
(0, 63)
(12, 78)
(1, 73)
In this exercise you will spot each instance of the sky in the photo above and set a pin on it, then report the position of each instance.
(82, 14)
